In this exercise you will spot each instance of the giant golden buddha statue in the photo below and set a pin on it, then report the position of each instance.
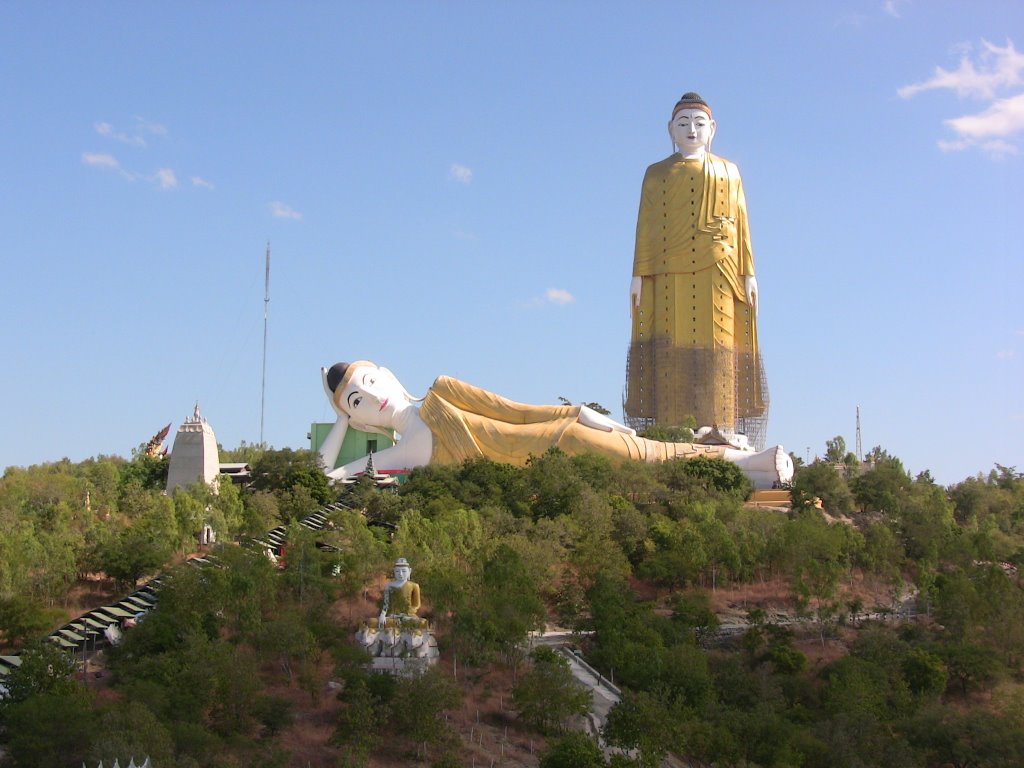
(457, 421)
(693, 296)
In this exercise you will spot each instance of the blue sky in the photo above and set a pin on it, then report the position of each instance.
(452, 188)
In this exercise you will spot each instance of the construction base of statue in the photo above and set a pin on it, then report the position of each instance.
(402, 647)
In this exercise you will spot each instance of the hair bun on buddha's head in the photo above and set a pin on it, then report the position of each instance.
(335, 374)
(691, 100)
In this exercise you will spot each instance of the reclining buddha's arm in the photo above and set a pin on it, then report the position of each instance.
(412, 450)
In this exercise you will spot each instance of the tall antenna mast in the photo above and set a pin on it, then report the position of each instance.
(266, 305)
(860, 451)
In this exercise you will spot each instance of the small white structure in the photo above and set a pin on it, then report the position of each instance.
(207, 536)
(194, 456)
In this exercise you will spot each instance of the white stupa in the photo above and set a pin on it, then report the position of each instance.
(194, 456)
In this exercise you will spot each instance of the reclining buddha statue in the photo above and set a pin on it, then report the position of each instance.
(457, 421)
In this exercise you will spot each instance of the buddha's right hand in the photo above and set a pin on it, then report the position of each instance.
(634, 293)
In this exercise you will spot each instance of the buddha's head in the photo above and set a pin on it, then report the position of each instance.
(402, 570)
(368, 394)
(691, 126)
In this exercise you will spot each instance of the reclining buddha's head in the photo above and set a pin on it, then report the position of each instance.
(370, 395)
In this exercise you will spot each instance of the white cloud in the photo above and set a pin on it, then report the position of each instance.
(892, 7)
(107, 130)
(107, 162)
(460, 173)
(1005, 354)
(101, 160)
(999, 149)
(558, 296)
(165, 178)
(281, 210)
(134, 137)
(199, 181)
(146, 126)
(997, 68)
(1004, 117)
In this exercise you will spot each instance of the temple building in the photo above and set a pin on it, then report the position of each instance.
(194, 456)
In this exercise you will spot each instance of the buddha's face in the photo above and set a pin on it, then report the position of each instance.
(402, 573)
(373, 397)
(691, 130)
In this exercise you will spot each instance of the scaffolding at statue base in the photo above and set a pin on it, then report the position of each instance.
(720, 387)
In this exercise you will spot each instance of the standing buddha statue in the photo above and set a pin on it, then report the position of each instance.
(693, 297)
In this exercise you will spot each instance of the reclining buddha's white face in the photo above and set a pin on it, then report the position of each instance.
(373, 397)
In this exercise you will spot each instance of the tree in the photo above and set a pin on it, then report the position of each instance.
(820, 478)
(547, 694)
(859, 685)
(235, 677)
(44, 669)
(592, 406)
(681, 433)
(718, 475)
(723, 557)
(274, 713)
(260, 513)
(880, 489)
(419, 703)
(677, 552)
(818, 555)
(507, 606)
(358, 728)
(148, 472)
(925, 673)
(835, 450)
(22, 618)
(595, 548)
(693, 611)
(60, 549)
(925, 520)
(248, 585)
(304, 563)
(226, 511)
(19, 553)
(130, 730)
(133, 553)
(971, 666)
(189, 514)
(643, 722)
(287, 469)
(286, 639)
(573, 750)
(360, 554)
(49, 729)
(976, 738)
(553, 484)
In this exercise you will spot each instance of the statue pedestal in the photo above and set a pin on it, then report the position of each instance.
(401, 647)
(403, 667)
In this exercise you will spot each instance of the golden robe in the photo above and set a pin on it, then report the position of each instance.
(467, 422)
(693, 350)
(408, 598)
